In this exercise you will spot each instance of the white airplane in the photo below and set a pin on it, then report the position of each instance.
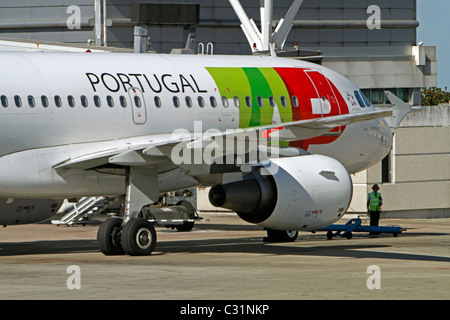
(104, 124)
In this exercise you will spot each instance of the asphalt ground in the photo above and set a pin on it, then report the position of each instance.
(224, 258)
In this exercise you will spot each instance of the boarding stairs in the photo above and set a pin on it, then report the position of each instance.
(86, 205)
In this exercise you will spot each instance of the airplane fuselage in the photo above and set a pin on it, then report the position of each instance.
(55, 107)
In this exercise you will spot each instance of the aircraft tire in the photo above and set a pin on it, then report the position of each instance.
(287, 236)
(281, 236)
(109, 237)
(185, 227)
(139, 237)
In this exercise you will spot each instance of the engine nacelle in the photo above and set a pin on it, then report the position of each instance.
(23, 211)
(298, 193)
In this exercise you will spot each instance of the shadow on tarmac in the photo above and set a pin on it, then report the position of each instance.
(234, 245)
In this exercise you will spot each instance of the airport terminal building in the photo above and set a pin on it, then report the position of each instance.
(373, 43)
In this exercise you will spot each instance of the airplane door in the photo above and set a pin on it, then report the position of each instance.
(138, 107)
(327, 103)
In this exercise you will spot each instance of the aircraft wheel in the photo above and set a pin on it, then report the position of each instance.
(139, 237)
(281, 236)
(186, 226)
(330, 235)
(288, 236)
(109, 237)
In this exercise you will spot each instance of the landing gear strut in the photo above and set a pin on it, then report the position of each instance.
(132, 234)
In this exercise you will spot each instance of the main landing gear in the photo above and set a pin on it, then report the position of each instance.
(136, 238)
(134, 233)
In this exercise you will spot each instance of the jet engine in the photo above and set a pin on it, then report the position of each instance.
(23, 211)
(298, 193)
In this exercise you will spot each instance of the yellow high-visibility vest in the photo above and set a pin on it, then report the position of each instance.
(374, 201)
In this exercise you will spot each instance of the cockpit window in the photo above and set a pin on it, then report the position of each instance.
(365, 98)
(360, 99)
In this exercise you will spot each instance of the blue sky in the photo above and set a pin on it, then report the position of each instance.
(434, 30)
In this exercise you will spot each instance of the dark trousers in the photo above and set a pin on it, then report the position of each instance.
(374, 219)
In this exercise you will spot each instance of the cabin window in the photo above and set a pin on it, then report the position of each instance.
(237, 102)
(283, 101)
(137, 102)
(4, 100)
(44, 101)
(225, 102)
(71, 101)
(123, 101)
(97, 101)
(31, 102)
(188, 102)
(260, 101)
(201, 102)
(272, 101)
(176, 102)
(58, 101)
(18, 101)
(295, 101)
(248, 101)
(157, 102)
(213, 101)
(110, 101)
(84, 101)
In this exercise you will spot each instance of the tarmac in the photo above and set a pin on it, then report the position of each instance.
(225, 258)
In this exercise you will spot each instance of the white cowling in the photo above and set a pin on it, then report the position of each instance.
(24, 211)
(297, 193)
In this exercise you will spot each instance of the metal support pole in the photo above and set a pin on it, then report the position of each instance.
(266, 23)
(249, 30)
(285, 25)
(100, 22)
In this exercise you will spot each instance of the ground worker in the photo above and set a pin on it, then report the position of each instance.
(374, 203)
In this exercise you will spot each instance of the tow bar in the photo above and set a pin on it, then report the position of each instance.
(354, 225)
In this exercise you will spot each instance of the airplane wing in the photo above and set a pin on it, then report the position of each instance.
(296, 130)
(156, 150)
